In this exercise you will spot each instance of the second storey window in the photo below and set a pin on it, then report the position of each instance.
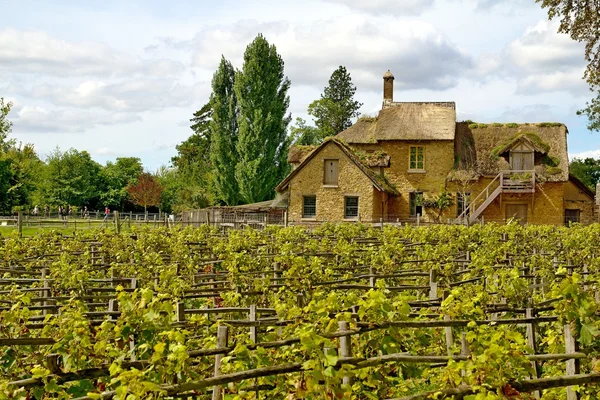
(331, 172)
(309, 208)
(417, 158)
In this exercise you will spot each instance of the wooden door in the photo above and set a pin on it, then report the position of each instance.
(518, 212)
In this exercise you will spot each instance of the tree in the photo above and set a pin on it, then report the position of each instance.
(146, 192)
(261, 89)
(580, 19)
(336, 107)
(5, 126)
(116, 177)
(196, 149)
(304, 135)
(587, 171)
(70, 178)
(224, 134)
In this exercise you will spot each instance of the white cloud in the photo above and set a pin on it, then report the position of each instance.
(419, 55)
(40, 119)
(39, 53)
(595, 154)
(528, 113)
(564, 81)
(387, 7)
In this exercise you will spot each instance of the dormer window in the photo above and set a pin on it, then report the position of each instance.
(521, 158)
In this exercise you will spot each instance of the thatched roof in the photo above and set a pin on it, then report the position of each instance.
(478, 147)
(405, 121)
(379, 182)
(297, 153)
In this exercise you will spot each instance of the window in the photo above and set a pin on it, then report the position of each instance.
(351, 207)
(521, 158)
(331, 172)
(416, 204)
(309, 207)
(417, 158)
(462, 202)
(571, 216)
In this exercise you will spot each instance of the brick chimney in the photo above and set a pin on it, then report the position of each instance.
(388, 87)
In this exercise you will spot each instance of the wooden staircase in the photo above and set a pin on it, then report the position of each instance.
(504, 182)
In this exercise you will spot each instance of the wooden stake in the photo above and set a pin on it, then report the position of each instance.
(222, 333)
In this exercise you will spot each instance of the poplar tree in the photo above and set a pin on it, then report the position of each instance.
(224, 134)
(261, 89)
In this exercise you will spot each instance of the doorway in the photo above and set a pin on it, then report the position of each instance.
(518, 212)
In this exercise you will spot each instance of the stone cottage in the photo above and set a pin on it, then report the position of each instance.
(414, 160)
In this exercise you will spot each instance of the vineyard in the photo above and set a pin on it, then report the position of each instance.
(338, 312)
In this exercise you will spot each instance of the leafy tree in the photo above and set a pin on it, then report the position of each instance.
(587, 171)
(146, 192)
(116, 178)
(580, 19)
(336, 107)
(261, 89)
(5, 125)
(224, 134)
(304, 135)
(179, 192)
(70, 178)
(196, 149)
(26, 172)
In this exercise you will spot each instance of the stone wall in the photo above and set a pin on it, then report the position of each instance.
(330, 200)
(439, 160)
(577, 199)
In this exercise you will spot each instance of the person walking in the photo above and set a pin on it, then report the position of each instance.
(36, 210)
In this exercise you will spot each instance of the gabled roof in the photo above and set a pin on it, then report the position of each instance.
(528, 141)
(378, 181)
(405, 121)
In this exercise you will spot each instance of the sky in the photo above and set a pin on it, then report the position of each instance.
(123, 78)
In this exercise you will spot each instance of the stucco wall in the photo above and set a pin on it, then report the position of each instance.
(330, 200)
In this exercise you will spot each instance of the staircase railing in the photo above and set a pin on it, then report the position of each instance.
(480, 199)
(517, 178)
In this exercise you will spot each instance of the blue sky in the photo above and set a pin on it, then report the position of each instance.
(122, 78)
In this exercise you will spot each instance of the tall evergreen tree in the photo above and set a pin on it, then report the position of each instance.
(262, 146)
(224, 134)
(336, 107)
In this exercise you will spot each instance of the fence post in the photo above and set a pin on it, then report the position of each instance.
(345, 350)
(418, 219)
(46, 286)
(572, 365)
(372, 279)
(285, 219)
(117, 224)
(433, 286)
(252, 318)
(530, 330)
(20, 223)
(222, 333)
(181, 311)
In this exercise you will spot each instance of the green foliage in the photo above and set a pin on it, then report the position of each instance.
(512, 125)
(5, 125)
(224, 134)
(550, 124)
(115, 177)
(70, 178)
(304, 135)
(497, 125)
(262, 146)
(336, 107)
(439, 204)
(587, 171)
(495, 153)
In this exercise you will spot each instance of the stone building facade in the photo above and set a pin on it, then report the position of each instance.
(415, 161)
